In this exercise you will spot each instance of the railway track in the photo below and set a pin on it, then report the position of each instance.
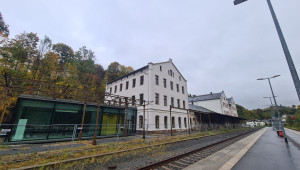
(166, 164)
(184, 160)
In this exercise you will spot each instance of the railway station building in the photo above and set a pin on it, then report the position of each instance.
(160, 85)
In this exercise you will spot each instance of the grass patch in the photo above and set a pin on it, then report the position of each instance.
(4, 147)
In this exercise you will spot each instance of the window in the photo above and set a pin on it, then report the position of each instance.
(183, 104)
(165, 83)
(173, 122)
(185, 122)
(171, 84)
(179, 78)
(141, 98)
(110, 90)
(133, 100)
(166, 122)
(172, 101)
(121, 85)
(156, 98)
(141, 80)
(179, 122)
(157, 122)
(170, 72)
(178, 103)
(177, 87)
(133, 83)
(165, 101)
(127, 85)
(160, 68)
(182, 90)
(116, 89)
(141, 120)
(156, 79)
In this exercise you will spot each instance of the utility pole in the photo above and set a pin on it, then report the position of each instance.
(284, 47)
(280, 124)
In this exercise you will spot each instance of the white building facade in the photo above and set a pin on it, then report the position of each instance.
(216, 102)
(161, 83)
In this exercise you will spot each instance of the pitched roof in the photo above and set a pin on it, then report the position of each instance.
(131, 73)
(210, 96)
(143, 68)
(229, 100)
(170, 60)
(199, 108)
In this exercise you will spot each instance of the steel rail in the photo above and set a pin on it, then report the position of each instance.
(57, 163)
(169, 160)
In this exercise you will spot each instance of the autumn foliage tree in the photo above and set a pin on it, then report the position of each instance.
(30, 65)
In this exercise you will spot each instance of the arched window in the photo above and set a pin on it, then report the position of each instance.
(157, 122)
(141, 121)
(179, 122)
(166, 122)
(173, 122)
(185, 122)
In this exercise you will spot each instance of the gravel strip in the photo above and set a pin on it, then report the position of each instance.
(140, 158)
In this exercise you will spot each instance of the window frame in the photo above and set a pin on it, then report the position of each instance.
(141, 80)
(157, 98)
(133, 83)
(156, 80)
(165, 100)
(156, 122)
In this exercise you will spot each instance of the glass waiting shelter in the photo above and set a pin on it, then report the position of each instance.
(40, 118)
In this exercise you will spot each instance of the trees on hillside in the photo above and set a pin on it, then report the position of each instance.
(264, 113)
(3, 27)
(30, 65)
(116, 70)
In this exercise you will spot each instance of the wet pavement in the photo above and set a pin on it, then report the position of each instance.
(271, 152)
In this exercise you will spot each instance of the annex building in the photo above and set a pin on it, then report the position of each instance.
(216, 102)
(212, 111)
(161, 85)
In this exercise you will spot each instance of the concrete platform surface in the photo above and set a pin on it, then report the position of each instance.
(229, 156)
(271, 152)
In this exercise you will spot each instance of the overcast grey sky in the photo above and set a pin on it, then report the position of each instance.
(215, 45)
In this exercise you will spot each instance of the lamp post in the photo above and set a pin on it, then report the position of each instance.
(278, 114)
(284, 46)
(274, 121)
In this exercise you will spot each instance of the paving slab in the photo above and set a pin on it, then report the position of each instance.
(229, 156)
(271, 152)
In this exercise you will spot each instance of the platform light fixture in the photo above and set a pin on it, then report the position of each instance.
(277, 110)
(286, 51)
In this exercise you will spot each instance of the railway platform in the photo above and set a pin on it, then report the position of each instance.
(261, 150)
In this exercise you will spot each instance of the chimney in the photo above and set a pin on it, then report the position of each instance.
(210, 93)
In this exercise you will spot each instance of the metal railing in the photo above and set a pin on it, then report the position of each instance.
(54, 132)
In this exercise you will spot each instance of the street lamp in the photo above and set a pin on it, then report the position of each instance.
(279, 117)
(274, 121)
(284, 46)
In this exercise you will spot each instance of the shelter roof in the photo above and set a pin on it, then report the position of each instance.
(199, 109)
(210, 96)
